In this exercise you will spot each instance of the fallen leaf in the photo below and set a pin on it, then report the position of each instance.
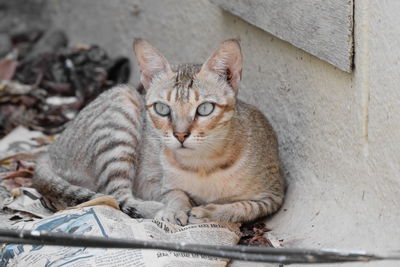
(105, 200)
(13, 174)
(7, 69)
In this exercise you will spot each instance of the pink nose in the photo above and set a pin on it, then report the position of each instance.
(181, 136)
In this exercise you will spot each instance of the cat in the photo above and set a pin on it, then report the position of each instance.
(189, 151)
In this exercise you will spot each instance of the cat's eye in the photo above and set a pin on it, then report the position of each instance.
(205, 109)
(162, 109)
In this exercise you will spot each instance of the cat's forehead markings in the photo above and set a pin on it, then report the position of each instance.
(184, 79)
(196, 95)
(169, 95)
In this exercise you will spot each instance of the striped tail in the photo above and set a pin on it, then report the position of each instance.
(55, 188)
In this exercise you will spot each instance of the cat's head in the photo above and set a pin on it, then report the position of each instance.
(191, 106)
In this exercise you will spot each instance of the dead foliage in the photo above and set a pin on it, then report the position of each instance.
(44, 83)
(253, 234)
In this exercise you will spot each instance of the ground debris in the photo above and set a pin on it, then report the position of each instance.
(17, 169)
(44, 83)
(7, 68)
(253, 234)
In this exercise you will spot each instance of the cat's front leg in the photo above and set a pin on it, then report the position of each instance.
(177, 207)
(135, 208)
(239, 211)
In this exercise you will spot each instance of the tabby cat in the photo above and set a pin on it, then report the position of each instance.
(187, 152)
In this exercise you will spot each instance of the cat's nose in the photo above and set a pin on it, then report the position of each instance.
(181, 136)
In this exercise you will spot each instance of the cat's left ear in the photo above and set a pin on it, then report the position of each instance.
(227, 63)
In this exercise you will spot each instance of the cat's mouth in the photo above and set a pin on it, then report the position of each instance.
(183, 147)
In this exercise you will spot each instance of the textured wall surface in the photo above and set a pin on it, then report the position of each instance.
(323, 28)
(339, 133)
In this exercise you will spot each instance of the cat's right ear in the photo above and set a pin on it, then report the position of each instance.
(151, 61)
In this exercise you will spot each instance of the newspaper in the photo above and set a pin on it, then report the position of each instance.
(28, 200)
(106, 221)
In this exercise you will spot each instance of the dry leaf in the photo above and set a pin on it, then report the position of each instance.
(104, 200)
(7, 69)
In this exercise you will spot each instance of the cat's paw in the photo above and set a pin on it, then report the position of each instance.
(201, 214)
(174, 216)
(130, 209)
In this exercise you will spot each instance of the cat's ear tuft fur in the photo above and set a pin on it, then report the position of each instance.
(151, 61)
(226, 62)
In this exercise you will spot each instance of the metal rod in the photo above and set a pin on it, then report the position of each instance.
(259, 254)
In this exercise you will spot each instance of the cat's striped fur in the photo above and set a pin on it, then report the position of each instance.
(98, 153)
(182, 167)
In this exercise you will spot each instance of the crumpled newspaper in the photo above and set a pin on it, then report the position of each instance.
(106, 221)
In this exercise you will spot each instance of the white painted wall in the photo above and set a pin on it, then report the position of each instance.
(323, 28)
(339, 133)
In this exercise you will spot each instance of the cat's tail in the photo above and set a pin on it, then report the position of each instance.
(56, 189)
(63, 194)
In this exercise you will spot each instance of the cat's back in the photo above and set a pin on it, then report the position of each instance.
(254, 121)
(113, 118)
(261, 140)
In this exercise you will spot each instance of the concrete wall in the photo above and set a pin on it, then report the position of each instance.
(339, 133)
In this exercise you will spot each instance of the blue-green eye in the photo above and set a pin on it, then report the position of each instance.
(205, 109)
(162, 109)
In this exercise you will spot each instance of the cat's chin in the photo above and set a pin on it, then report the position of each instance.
(184, 149)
